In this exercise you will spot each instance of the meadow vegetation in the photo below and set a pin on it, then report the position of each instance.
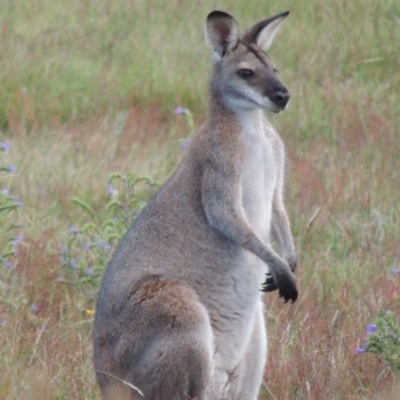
(89, 88)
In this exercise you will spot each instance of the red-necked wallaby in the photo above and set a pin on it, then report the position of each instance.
(180, 312)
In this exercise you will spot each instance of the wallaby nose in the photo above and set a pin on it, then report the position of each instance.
(281, 97)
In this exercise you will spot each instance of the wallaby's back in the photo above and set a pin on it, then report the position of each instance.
(180, 309)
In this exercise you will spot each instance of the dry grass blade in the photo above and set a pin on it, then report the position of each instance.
(122, 381)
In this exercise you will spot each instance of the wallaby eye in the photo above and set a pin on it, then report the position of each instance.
(245, 73)
(276, 70)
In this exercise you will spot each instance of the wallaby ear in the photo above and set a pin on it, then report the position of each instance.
(222, 33)
(263, 33)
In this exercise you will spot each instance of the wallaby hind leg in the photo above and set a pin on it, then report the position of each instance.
(163, 346)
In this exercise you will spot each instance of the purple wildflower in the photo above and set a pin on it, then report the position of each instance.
(362, 349)
(185, 143)
(64, 250)
(16, 240)
(73, 265)
(4, 146)
(17, 201)
(11, 168)
(371, 328)
(5, 192)
(86, 246)
(9, 264)
(395, 271)
(89, 271)
(112, 191)
(73, 230)
(104, 245)
(33, 307)
(180, 111)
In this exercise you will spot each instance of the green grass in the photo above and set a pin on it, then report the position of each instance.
(67, 60)
(89, 88)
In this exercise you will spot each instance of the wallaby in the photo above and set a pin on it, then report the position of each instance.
(180, 312)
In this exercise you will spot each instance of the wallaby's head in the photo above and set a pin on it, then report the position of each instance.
(243, 75)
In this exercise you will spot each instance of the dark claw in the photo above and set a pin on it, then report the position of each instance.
(269, 288)
(269, 281)
(292, 296)
(269, 277)
(269, 285)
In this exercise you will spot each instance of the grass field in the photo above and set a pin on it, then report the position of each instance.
(89, 88)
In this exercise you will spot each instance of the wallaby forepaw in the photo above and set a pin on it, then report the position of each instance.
(287, 293)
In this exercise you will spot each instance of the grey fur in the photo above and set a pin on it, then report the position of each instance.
(180, 312)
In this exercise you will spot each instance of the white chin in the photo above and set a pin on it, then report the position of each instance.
(274, 109)
(270, 106)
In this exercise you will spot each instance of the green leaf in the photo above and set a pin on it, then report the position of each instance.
(85, 206)
(9, 207)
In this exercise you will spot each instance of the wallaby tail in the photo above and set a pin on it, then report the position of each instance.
(159, 346)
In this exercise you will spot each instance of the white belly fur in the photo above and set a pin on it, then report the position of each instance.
(258, 182)
(259, 175)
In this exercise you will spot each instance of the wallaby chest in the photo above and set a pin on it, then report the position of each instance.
(258, 175)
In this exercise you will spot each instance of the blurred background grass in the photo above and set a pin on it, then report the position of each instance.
(89, 87)
(67, 60)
